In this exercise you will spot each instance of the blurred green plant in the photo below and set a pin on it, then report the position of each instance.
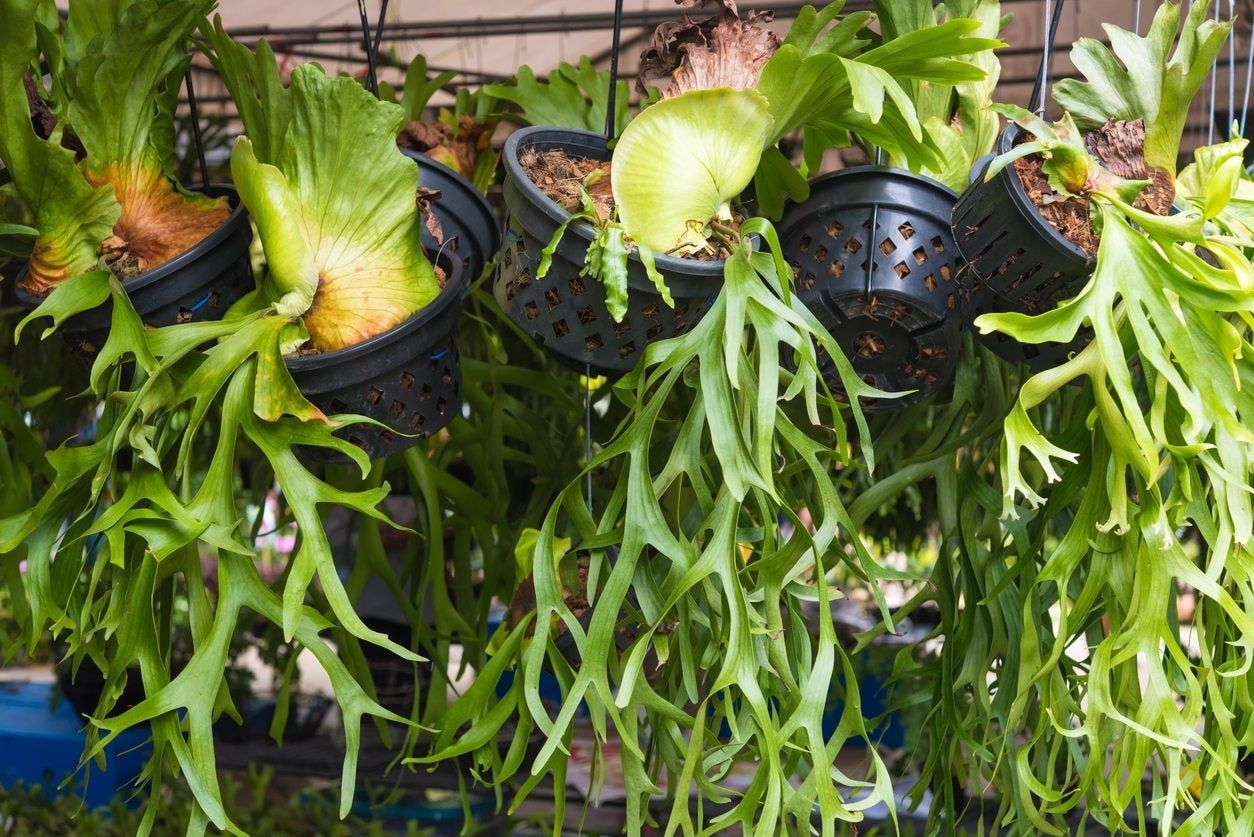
(252, 799)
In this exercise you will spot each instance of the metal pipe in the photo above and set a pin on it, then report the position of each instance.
(1214, 84)
(303, 52)
(508, 26)
(556, 23)
(1232, 61)
(536, 24)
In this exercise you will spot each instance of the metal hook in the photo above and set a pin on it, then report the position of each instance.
(611, 123)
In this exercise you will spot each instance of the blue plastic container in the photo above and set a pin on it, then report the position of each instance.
(42, 739)
(888, 731)
(436, 812)
(550, 690)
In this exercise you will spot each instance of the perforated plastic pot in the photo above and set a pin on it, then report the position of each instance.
(409, 378)
(198, 284)
(877, 264)
(1036, 356)
(466, 217)
(1017, 260)
(566, 312)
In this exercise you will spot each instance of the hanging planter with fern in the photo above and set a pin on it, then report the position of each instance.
(90, 155)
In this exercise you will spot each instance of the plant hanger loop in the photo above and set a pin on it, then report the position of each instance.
(868, 285)
(197, 140)
(1040, 91)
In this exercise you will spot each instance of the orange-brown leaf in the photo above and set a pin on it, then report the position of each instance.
(158, 222)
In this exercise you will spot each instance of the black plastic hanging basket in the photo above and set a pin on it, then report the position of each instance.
(876, 262)
(1016, 260)
(199, 284)
(409, 378)
(466, 217)
(566, 312)
(1036, 356)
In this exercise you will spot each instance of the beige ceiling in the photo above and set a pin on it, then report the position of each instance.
(502, 54)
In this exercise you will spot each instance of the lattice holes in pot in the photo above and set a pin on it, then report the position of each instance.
(1033, 278)
(420, 397)
(567, 313)
(892, 298)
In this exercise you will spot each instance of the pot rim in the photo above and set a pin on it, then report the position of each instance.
(535, 195)
(238, 217)
(892, 171)
(450, 295)
(481, 201)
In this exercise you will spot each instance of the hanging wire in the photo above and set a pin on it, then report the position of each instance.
(1136, 19)
(1232, 69)
(373, 58)
(611, 105)
(871, 234)
(612, 101)
(1047, 56)
(867, 288)
(587, 434)
(563, 31)
(1040, 91)
(479, 55)
(1214, 87)
(1249, 76)
(194, 113)
(463, 59)
(372, 78)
